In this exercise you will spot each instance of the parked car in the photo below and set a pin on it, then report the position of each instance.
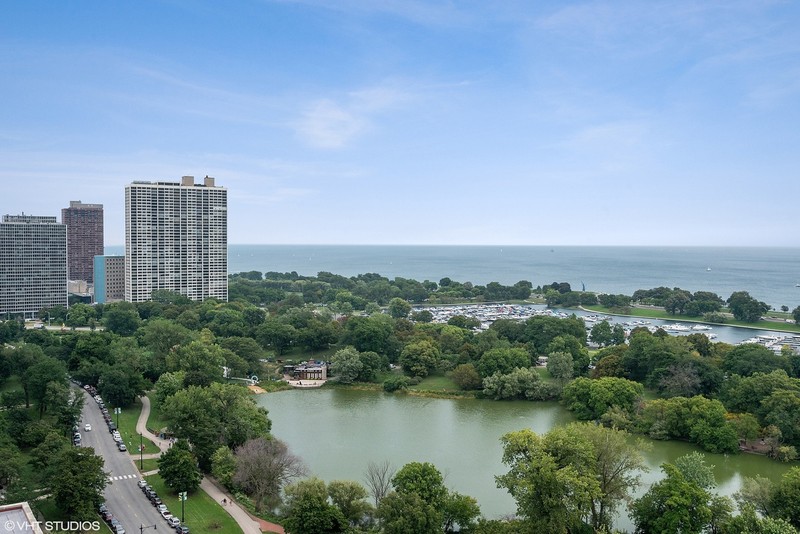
(182, 529)
(173, 521)
(121, 446)
(166, 515)
(142, 483)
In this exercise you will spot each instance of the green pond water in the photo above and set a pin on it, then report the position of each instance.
(338, 432)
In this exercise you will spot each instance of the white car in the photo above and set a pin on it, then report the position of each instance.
(166, 515)
(87, 427)
(173, 521)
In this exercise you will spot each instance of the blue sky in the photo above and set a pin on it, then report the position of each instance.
(415, 122)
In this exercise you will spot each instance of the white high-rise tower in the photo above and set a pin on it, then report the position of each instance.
(176, 238)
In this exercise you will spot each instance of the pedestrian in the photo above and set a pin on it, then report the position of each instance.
(224, 501)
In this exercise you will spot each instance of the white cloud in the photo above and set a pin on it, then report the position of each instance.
(328, 124)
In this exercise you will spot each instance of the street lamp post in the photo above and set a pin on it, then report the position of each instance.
(142, 527)
(141, 451)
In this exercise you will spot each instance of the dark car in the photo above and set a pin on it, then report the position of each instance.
(111, 428)
(182, 529)
(107, 516)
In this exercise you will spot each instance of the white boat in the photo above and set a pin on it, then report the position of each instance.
(701, 327)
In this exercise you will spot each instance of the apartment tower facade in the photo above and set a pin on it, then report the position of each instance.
(176, 238)
(33, 264)
(84, 238)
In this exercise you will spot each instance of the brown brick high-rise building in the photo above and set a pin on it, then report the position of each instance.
(84, 238)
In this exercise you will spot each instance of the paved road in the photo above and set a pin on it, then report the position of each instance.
(123, 497)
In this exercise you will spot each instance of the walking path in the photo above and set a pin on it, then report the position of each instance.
(248, 524)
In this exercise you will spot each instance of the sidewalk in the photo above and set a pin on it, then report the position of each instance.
(242, 517)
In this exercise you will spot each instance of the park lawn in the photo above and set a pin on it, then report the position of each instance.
(435, 383)
(148, 464)
(156, 421)
(203, 514)
(127, 428)
(545, 375)
(651, 313)
(48, 509)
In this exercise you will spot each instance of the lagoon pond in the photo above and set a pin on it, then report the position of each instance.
(337, 432)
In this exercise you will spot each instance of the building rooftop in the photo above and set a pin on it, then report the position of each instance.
(18, 519)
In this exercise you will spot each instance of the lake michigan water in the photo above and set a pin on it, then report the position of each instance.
(768, 274)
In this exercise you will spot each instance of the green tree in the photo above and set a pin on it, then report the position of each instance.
(403, 513)
(121, 318)
(178, 467)
(601, 333)
(399, 308)
(559, 364)
(746, 308)
(223, 466)
(591, 398)
(220, 414)
(346, 365)
(420, 357)
(276, 335)
(40, 375)
(202, 362)
(750, 358)
(571, 473)
(120, 385)
(423, 479)
(694, 469)
(748, 521)
(756, 492)
(460, 510)
(782, 409)
(549, 482)
(307, 510)
(674, 504)
(785, 499)
(503, 361)
(350, 498)
(466, 376)
(521, 383)
(77, 481)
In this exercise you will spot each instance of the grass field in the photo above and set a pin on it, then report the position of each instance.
(156, 421)
(127, 429)
(48, 509)
(148, 464)
(203, 514)
(436, 383)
